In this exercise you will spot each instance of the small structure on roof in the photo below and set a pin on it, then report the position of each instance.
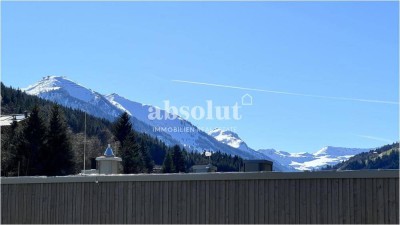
(203, 168)
(257, 165)
(108, 163)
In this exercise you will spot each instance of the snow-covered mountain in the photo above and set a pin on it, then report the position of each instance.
(68, 93)
(172, 131)
(229, 137)
(286, 161)
(305, 161)
(232, 139)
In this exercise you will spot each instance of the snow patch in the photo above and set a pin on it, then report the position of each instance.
(328, 155)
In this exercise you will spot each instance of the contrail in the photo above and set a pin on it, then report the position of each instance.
(375, 138)
(287, 93)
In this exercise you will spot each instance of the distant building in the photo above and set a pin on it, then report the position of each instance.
(109, 163)
(7, 120)
(257, 165)
(203, 168)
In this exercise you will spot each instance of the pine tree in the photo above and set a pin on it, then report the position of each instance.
(9, 141)
(168, 165)
(146, 158)
(178, 159)
(32, 144)
(58, 157)
(132, 161)
(122, 128)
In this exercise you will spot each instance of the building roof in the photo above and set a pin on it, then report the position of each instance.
(258, 161)
(107, 158)
(265, 175)
(203, 166)
(109, 152)
(7, 120)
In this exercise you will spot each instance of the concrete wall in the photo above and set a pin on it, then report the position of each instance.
(268, 197)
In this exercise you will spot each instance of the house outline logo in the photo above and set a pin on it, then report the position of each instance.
(247, 99)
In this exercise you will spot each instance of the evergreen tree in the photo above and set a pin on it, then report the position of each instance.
(32, 144)
(168, 165)
(122, 128)
(132, 161)
(178, 159)
(9, 142)
(58, 157)
(146, 158)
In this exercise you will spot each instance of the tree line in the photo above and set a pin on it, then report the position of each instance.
(38, 147)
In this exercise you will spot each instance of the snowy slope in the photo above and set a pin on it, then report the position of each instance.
(175, 131)
(178, 129)
(229, 138)
(232, 139)
(68, 93)
(305, 161)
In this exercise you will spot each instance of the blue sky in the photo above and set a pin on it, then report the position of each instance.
(136, 49)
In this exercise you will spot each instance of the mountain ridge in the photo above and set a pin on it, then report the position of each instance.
(232, 139)
(328, 155)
